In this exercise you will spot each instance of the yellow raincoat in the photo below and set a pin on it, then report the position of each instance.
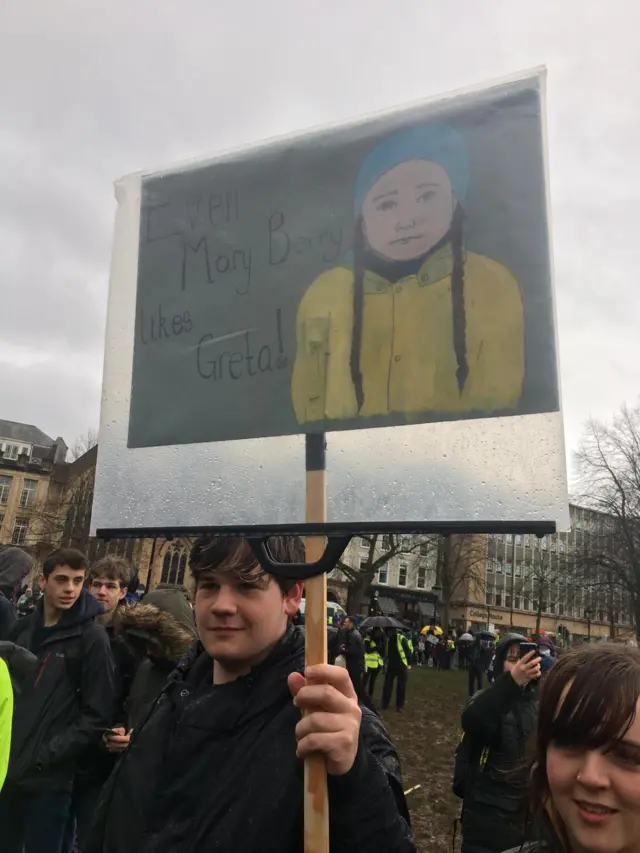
(407, 358)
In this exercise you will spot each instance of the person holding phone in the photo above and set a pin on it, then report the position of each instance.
(497, 723)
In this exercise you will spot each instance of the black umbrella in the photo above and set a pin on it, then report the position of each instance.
(381, 622)
(486, 635)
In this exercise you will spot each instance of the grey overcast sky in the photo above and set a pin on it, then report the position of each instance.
(94, 89)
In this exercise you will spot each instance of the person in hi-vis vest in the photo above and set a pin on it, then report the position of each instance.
(412, 322)
(373, 660)
(398, 657)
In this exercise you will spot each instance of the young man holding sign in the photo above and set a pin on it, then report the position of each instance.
(218, 763)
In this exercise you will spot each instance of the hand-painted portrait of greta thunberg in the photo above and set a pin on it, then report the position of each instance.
(414, 322)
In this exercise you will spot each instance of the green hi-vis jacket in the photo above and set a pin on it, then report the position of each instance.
(6, 716)
(407, 357)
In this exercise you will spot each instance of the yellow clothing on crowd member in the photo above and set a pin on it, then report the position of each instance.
(6, 716)
(407, 357)
(372, 658)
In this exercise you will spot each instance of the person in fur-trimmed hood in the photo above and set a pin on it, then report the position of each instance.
(158, 632)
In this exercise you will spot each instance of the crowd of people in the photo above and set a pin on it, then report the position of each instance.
(167, 725)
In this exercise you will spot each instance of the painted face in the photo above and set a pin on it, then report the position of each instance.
(597, 793)
(108, 592)
(408, 210)
(239, 621)
(62, 588)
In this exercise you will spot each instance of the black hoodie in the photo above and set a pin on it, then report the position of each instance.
(67, 704)
(214, 767)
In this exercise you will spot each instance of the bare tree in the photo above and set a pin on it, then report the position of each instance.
(544, 576)
(608, 466)
(380, 549)
(63, 517)
(462, 562)
(83, 444)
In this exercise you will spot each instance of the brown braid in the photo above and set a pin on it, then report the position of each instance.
(358, 310)
(458, 309)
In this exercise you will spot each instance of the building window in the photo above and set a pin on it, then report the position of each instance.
(517, 603)
(491, 564)
(553, 544)
(544, 543)
(364, 543)
(182, 568)
(498, 599)
(527, 603)
(561, 545)
(509, 538)
(406, 544)
(173, 571)
(424, 549)
(402, 575)
(28, 495)
(518, 538)
(383, 574)
(508, 569)
(518, 570)
(166, 565)
(11, 452)
(535, 605)
(499, 566)
(600, 615)
(386, 542)
(20, 531)
(422, 577)
(507, 601)
(5, 488)
(488, 598)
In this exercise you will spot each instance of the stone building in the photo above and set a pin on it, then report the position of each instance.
(31, 464)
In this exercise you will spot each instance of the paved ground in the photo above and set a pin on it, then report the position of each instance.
(426, 736)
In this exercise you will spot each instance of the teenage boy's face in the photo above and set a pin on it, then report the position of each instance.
(240, 620)
(108, 592)
(63, 587)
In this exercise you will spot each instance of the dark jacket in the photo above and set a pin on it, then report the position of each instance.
(215, 768)
(21, 663)
(96, 763)
(350, 644)
(163, 623)
(479, 656)
(541, 838)
(499, 721)
(7, 617)
(15, 565)
(68, 703)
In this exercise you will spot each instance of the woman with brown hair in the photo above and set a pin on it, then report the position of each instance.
(585, 781)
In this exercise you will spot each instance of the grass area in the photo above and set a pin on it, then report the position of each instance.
(426, 735)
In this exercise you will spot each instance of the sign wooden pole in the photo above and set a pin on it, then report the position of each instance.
(316, 802)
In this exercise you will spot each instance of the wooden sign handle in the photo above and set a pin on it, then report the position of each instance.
(316, 801)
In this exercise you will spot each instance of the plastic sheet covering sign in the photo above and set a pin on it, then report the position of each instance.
(386, 281)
